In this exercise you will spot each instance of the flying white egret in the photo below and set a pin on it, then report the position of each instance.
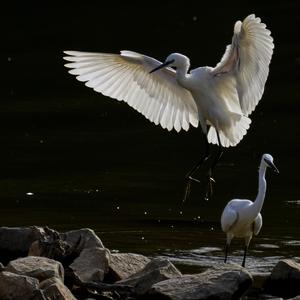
(241, 217)
(219, 98)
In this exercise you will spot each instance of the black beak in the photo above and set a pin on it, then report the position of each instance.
(168, 62)
(274, 169)
(272, 166)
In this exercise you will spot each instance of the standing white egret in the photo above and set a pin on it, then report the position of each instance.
(241, 217)
(219, 98)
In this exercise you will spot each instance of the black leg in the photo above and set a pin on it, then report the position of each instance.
(245, 254)
(209, 190)
(226, 252)
(219, 154)
(189, 175)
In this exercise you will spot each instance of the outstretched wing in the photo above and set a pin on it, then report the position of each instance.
(126, 77)
(245, 64)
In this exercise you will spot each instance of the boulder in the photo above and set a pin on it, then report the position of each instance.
(40, 268)
(14, 286)
(225, 283)
(156, 270)
(123, 265)
(284, 280)
(35, 249)
(82, 238)
(259, 281)
(15, 241)
(51, 245)
(53, 288)
(91, 265)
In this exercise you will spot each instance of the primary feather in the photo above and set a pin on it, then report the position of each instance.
(126, 77)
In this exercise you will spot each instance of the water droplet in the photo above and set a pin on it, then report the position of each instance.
(29, 194)
(9, 59)
(180, 212)
(145, 213)
(195, 18)
(118, 207)
(41, 141)
(198, 217)
(142, 238)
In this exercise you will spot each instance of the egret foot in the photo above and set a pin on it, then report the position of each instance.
(187, 192)
(209, 188)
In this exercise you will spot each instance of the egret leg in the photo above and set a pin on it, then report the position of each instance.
(189, 175)
(209, 190)
(226, 252)
(219, 154)
(245, 254)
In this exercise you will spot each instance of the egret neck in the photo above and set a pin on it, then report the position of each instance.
(182, 67)
(262, 186)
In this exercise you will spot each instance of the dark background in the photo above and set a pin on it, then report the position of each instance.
(35, 34)
(72, 147)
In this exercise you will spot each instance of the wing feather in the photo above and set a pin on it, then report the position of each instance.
(229, 218)
(247, 61)
(126, 77)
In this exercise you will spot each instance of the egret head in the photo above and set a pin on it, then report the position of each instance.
(268, 161)
(176, 60)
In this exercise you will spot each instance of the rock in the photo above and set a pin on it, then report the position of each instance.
(35, 249)
(284, 280)
(47, 282)
(53, 288)
(123, 265)
(84, 238)
(50, 245)
(39, 295)
(259, 281)
(15, 241)
(14, 286)
(91, 265)
(38, 267)
(100, 290)
(226, 283)
(156, 270)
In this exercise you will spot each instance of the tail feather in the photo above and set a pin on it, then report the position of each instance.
(234, 134)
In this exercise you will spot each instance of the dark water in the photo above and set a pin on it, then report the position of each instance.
(71, 158)
(90, 162)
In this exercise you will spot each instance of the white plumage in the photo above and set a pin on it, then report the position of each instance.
(241, 217)
(221, 97)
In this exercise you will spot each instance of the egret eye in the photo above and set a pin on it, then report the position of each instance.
(268, 163)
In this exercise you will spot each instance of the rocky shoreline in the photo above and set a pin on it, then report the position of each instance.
(39, 263)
